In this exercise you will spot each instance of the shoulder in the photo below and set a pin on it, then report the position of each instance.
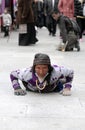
(56, 70)
(63, 69)
(9, 15)
(26, 73)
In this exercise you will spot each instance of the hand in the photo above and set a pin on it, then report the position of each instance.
(66, 92)
(20, 92)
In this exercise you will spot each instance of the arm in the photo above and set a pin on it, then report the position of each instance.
(17, 75)
(60, 6)
(16, 85)
(65, 76)
(68, 75)
(10, 19)
(15, 79)
(62, 27)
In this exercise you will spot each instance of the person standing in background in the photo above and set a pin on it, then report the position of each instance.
(7, 21)
(80, 17)
(25, 19)
(2, 7)
(49, 7)
(66, 7)
(38, 8)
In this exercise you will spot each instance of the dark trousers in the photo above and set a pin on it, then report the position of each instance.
(28, 38)
(51, 25)
(81, 23)
(6, 31)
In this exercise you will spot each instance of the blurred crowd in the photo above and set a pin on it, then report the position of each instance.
(33, 14)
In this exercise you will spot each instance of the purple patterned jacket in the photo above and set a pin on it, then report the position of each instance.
(26, 75)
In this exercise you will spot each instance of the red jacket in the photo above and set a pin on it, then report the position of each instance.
(66, 7)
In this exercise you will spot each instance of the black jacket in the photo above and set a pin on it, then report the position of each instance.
(78, 9)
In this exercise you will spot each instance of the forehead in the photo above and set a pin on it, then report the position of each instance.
(41, 66)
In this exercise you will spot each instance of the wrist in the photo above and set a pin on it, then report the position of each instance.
(68, 86)
(17, 88)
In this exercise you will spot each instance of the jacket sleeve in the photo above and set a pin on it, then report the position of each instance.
(62, 27)
(17, 75)
(68, 74)
(60, 6)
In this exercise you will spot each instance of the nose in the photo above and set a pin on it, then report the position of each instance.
(41, 71)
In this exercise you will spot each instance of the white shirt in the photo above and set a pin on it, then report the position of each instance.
(7, 20)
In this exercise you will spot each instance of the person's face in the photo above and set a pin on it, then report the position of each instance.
(5, 11)
(41, 70)
(55, 16)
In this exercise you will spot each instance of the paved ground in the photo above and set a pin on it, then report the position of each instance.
(40, 111)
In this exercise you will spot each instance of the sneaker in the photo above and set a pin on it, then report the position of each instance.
(53, 35)
(66, 92)
(50, 33)
(78, 48)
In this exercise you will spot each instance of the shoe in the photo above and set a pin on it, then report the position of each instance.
(69, 49)
(53, 35)
(49, 33)
(78, 48)
(36, 40)
(6, 35)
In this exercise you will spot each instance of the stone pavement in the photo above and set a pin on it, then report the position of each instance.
(40, 111)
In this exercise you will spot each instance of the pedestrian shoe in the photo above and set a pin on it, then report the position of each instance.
(6, 35)
(66, 92)
(54, 35)
(50, 33)
(78, 48)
